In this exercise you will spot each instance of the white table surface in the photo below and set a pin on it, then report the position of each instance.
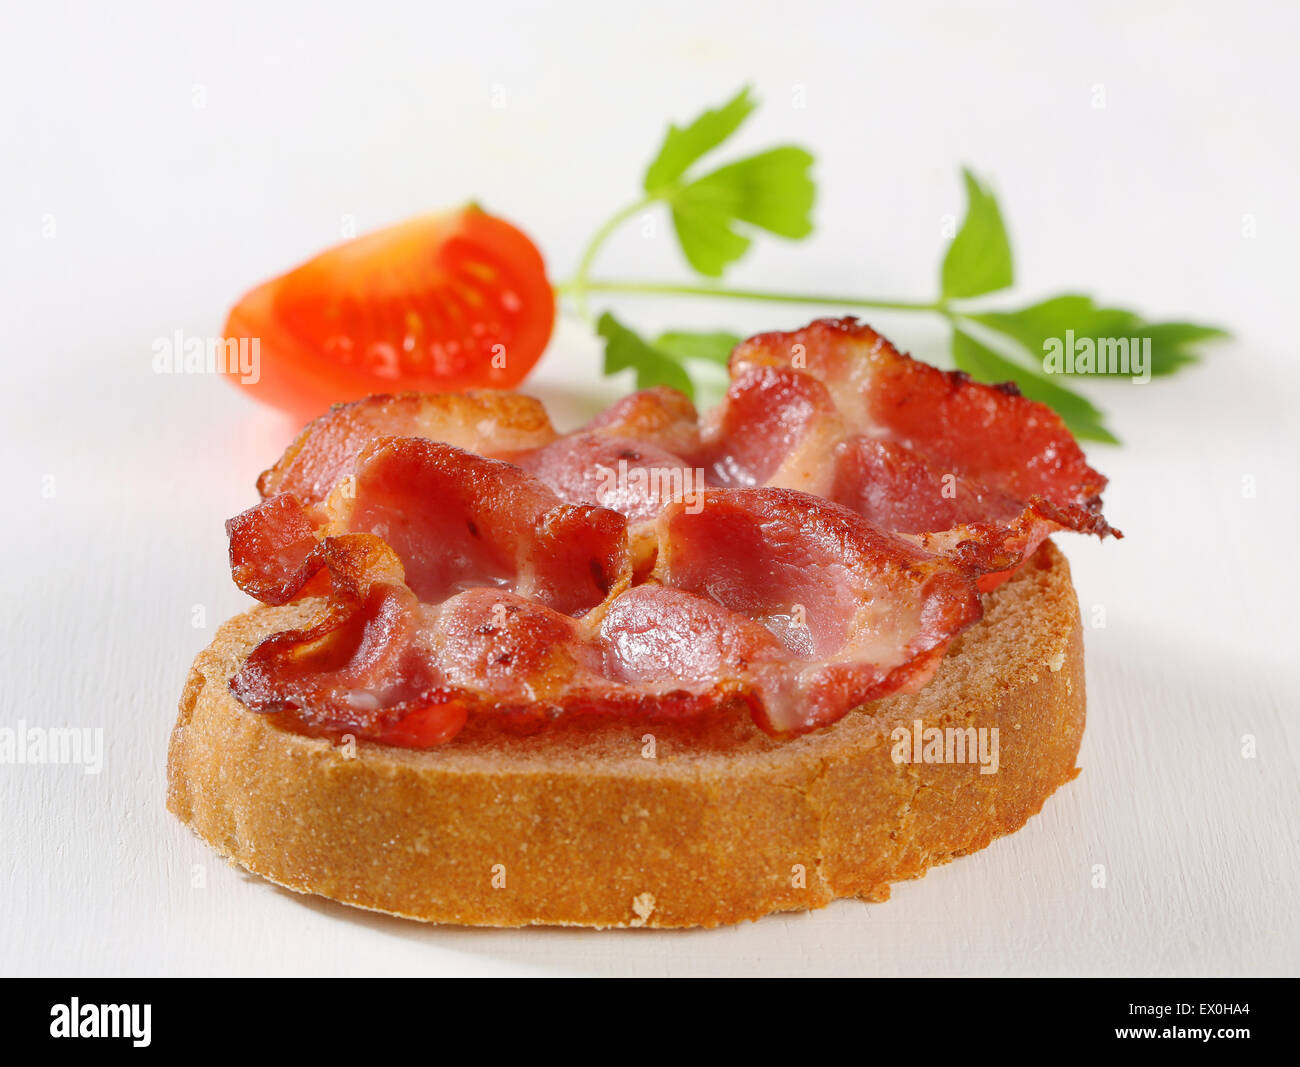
(163, 212)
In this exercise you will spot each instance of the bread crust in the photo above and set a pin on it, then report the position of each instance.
(580, 825)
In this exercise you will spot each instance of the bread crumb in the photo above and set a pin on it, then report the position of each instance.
(1056, 662)
(644, 906)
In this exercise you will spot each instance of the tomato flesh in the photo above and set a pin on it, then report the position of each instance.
(441, 303)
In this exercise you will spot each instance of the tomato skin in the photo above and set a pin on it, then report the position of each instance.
(440, 303)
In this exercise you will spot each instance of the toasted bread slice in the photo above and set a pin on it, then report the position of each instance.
(618, 823)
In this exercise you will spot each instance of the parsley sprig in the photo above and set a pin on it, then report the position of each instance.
(717, 213)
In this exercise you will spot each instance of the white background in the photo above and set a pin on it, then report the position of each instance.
(163, 213)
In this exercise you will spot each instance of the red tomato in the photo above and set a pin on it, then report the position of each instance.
(440, 303)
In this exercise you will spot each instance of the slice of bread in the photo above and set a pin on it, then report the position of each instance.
(617, 823)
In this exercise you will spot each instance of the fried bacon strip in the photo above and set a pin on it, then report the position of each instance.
(800, 609)
(488, 423)
(811, 545)
(455, 521)
(975, 471)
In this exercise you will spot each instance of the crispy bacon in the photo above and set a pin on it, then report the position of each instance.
(660, 635)
(474, 567)
(850, 603)
(933, 453)
(383, 667)
(455, 521)
(459, 521)
(660, 416)
(488, 423)
(775, 427)
(358, 667)
(633, 477)
(273, 549)
(769, 596)
(901, 489)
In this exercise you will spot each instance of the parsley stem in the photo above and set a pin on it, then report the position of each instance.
(578, 286)
(581, 285)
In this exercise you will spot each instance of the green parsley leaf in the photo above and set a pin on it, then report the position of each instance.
(979, 259)
(716, 216)
(682, 147)
(625, 349)
(984, 364)
(771, 191)
(1173, 344)
(1037, 323)
(707, 239)
(712, 347)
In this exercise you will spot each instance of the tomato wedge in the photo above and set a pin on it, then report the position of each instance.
(440, 303)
